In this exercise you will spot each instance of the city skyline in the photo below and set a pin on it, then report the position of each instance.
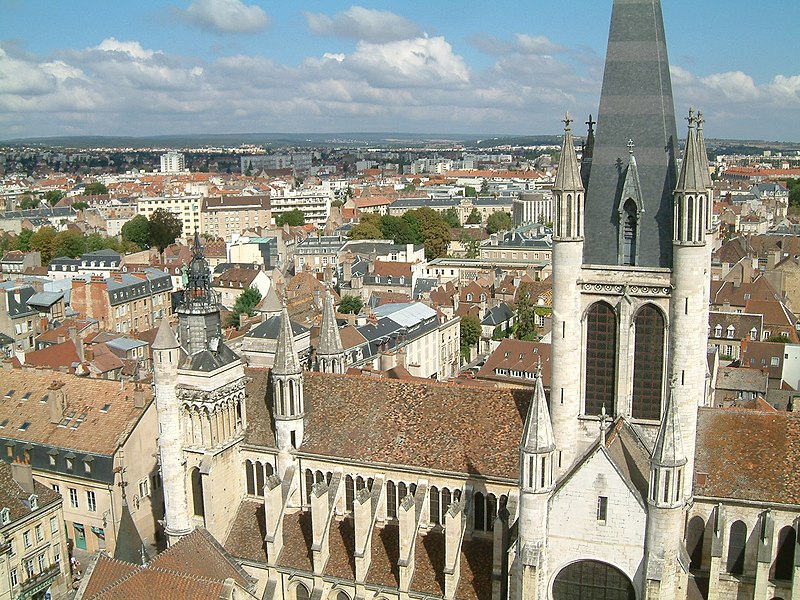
(218, 66)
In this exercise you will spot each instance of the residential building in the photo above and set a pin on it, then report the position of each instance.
(727, 330)
(16, 262)
(173, 162)
(233, 281)
(125, 302)
(318, 253)
(34, 558)
(532, 207)
(100, 263)
(315, 203)
(229, 216)
(83, 438)
(185, 208)
(18, 320)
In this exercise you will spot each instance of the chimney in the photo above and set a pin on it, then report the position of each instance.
(55, 402)
(78, 341)
(139, 396)
(23, 475)
(773, 256)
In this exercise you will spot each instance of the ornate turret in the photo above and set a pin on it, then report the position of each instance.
(568, 190)
(287, 389)
(629, 211)
(330, 353)
(588, 152)
(538, 443)
(667, 461)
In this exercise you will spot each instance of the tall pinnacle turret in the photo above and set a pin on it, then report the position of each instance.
(286, 361)
(636, 103)
(330, 352)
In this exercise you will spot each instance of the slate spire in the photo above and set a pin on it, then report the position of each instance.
(330, 342)
(668, 451)
(286, 361)
(694, 170)
(538, 435)
(568, 177)
(636, 103)
(165, 337)
(701, 149)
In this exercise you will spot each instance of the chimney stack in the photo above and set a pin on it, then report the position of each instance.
(78, 341)
(23, 475)
(139, 396)
(55, 402)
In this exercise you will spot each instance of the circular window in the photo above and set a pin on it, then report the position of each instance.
(592, 580)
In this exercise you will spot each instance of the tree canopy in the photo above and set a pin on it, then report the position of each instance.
(94, 188)
(526, 317)
(350, 304)
(164, 229)
(53, 196)
(470, 330)
(499, 221)
(452, 218)
(292, 217)
(245, 304)
(137, 230)
(474, 217)
(422, 226)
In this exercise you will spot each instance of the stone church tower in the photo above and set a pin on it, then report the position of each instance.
(631, 265)
(199, 385)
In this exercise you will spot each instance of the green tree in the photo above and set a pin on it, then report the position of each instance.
(350, 304)
(43, 241)
(781, 338)
(794, 191)
(94, 188)
(471, 245)
(137, 230)
(245, 304)
(53, 196)
(451, 217)
(396, 229)
(28, 202)
(499, 221)
(526, 317)
(80, 205)
(292, 217)
(470, 329)
(435, 232)
(22, 241)
(414, 227)
(474, 217)
(69, 243)
(470, 192)
(485, 187)
(368, 228)
(164, 229)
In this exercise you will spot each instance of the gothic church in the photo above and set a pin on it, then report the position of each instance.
(622, 485)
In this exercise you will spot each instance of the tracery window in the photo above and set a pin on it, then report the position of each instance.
(648, 364)
(601, 357)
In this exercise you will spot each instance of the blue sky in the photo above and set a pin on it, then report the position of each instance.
(504, 67)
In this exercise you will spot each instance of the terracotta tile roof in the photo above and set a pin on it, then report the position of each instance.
(105, 572)
(386, 268)
(518, 355)
(748, 455)
(723, 292)
(13, 497)
(246, 536)
(99, 433)
(777, 318)
(54, 357)
(766, 356)
(236, 277)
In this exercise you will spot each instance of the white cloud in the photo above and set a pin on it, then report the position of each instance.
(417, 62)
(131, 48)
(365, 24)
(536, 44)
(225, 16)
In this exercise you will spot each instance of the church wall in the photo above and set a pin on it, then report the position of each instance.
(733, 587)
(575, 532)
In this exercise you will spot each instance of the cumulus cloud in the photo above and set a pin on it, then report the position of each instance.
(225, 16)
(419, 84)
(369, 25)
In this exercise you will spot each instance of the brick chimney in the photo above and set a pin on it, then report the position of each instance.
(23, 475)
(56, 402)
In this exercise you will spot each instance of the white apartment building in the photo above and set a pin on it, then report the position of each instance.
(532, 207)
(173, 162)
(186, 208)
(314, 202)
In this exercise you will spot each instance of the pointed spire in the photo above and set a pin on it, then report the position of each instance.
(330, 342)
(165, 337)
(694, 172)
(538, 436)
(632, 188)
(568, 177)
(286, 361)
(668, 451)
(701, 149)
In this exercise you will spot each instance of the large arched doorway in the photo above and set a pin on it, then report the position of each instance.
(592, 580)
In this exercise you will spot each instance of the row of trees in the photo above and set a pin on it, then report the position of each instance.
(52, 244)
(422, 226)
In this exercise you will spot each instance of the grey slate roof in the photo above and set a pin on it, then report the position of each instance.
(271, 328)
(568, 177)
(497, 314)
(692, 177)
(635, 104)
(165, 337)
(17, 301)
(45, 299)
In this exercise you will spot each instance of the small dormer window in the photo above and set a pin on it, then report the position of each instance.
(33, 501)
(753, 334)
(718, 331)
(5, 516)
(731, 331)
(469, 297)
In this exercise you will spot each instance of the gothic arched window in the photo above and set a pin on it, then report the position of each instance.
(695, 534)
(251, 485)
(601, 359)
(391, 500)
(737, 542)
(648, 364)
(784, 559)
(630, 224)
(434, 506)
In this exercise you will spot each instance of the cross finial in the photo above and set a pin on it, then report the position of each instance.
(631, 146)
(700, 119)
(691, 118)
(567, 121)
(591, 123)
